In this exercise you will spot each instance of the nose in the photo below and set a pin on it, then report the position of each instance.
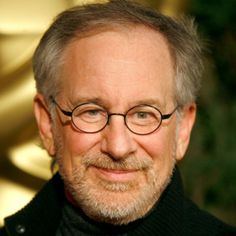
(117, 140)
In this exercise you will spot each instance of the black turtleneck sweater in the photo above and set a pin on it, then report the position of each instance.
(50, 214)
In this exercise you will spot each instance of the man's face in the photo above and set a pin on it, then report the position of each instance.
(114, 175)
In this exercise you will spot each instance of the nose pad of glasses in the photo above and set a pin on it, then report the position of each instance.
(114, 114)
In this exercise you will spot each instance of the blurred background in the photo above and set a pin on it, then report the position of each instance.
(209, 169)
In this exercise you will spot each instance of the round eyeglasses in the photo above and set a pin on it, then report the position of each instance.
(91, 118)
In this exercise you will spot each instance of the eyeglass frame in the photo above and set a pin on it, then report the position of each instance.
(70, 114)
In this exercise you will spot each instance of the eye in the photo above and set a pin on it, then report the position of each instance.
(92, 112)
(89, 113)
(143, 116)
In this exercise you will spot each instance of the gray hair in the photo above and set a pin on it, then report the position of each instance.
(81, 21)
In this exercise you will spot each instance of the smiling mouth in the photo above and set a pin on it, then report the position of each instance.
(115, 175)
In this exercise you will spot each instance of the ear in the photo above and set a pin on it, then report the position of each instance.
(185, 125)
(44, 123)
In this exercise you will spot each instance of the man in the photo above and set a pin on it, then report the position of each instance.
(115, 105)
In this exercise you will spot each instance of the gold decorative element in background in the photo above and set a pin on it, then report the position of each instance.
(21, 26)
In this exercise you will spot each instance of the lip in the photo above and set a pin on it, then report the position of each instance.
(116, 175)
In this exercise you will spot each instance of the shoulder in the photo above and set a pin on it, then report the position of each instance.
(42, 212)
(3, 232)
(200, 222)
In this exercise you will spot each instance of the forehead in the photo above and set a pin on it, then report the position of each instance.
(118, 64)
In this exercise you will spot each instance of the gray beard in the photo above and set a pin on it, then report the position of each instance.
(98, 200)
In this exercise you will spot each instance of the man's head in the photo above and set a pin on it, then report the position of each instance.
(99, 63)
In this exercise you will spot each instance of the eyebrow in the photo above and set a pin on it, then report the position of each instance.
(81, 100)
(149, 101)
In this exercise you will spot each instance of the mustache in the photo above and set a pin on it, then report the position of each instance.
(104, 161)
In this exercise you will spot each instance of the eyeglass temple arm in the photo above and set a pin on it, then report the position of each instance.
(167, 116)
(66, 113)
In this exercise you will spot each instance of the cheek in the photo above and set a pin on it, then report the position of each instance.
(159, 146)
(79, 143)
(161, 149)
(73, 145)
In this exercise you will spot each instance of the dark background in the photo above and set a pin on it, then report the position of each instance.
(210, 165)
